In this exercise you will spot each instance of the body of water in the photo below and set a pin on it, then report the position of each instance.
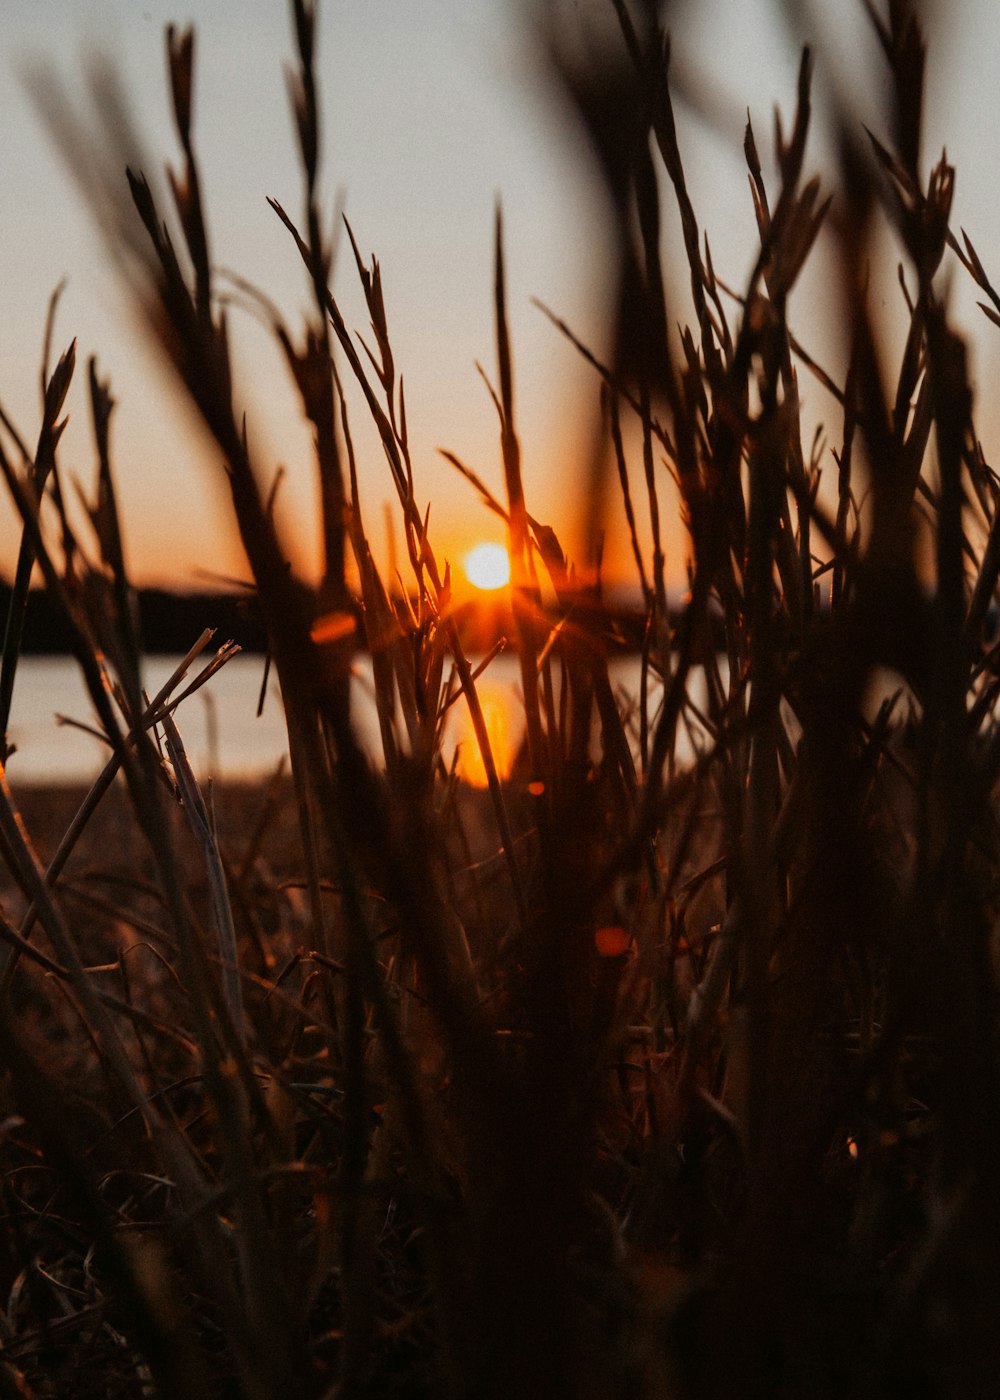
(225, 737)
(222, 732)
(218, 724)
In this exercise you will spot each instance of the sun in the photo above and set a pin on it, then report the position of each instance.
(487, 566)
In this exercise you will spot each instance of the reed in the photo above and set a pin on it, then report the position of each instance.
(626, 1076)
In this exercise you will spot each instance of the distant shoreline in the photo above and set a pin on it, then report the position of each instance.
(169, 622)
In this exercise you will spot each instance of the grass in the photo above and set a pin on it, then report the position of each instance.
(623, 1077)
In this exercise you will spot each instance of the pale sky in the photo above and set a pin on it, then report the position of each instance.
(432, 109)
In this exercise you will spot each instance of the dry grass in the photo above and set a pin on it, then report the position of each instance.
(623, 1078)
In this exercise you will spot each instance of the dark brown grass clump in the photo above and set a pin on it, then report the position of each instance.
(625, 1077)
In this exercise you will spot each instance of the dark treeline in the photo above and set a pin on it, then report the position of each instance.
(168, 622)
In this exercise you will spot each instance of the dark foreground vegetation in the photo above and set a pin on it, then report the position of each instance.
(621, 1078)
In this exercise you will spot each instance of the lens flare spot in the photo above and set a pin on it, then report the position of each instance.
(487, 566)
(611, 941)
(332, 627)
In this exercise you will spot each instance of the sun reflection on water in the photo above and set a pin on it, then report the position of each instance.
(501, 714)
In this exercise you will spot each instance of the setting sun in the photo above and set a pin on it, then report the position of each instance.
(487, 566)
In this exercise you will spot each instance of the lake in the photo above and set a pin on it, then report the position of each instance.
(219, 724)
(47, 751)
(225, 738)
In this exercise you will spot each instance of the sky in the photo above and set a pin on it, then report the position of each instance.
(432, 112)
